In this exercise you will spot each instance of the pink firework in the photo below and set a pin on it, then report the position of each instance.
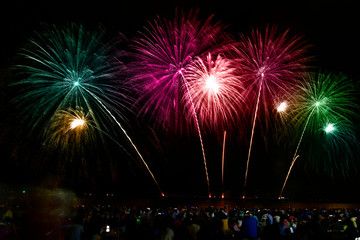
(271, 65)
(216, 90)
(163, 53)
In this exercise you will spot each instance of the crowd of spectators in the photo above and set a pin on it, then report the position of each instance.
(101, 222)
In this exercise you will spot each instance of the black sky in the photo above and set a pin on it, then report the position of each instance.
(331, 27)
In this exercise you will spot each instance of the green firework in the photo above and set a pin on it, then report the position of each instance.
(324, 112)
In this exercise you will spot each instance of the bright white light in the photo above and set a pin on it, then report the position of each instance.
(76, 122)
(262, 71)
(282, 107)
(76, 83)
(212, 84)
(329, 128)
(317, 103)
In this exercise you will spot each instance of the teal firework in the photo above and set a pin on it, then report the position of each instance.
(69, 67)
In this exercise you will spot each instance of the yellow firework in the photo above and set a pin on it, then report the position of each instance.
(70, 129)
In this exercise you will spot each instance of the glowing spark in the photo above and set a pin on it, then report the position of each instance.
(76, 123)
(212, 84)
(282, 107)
(329, 128)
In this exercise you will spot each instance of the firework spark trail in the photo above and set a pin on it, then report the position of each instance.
(296, 150)
(199, 132)
(252, 134)
(128, 137)
(222, 167)
(287, 176)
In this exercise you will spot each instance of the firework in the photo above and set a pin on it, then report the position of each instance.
(67, 68)
(327, 97)
(338, 148)
(271, 64)
(216, 89)
(69, 130)
(163, 53)
(214, 92)
(70, 67)
(324, 108)
(72, 129)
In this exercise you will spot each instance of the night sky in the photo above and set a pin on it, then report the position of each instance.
(330, 27)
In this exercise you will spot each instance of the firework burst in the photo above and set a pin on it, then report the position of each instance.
(324, 109)
(327, 99)
(70, 130)
(66, 68)
(326, 96)
(216, 90)
(271, 64)
(163, 53)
